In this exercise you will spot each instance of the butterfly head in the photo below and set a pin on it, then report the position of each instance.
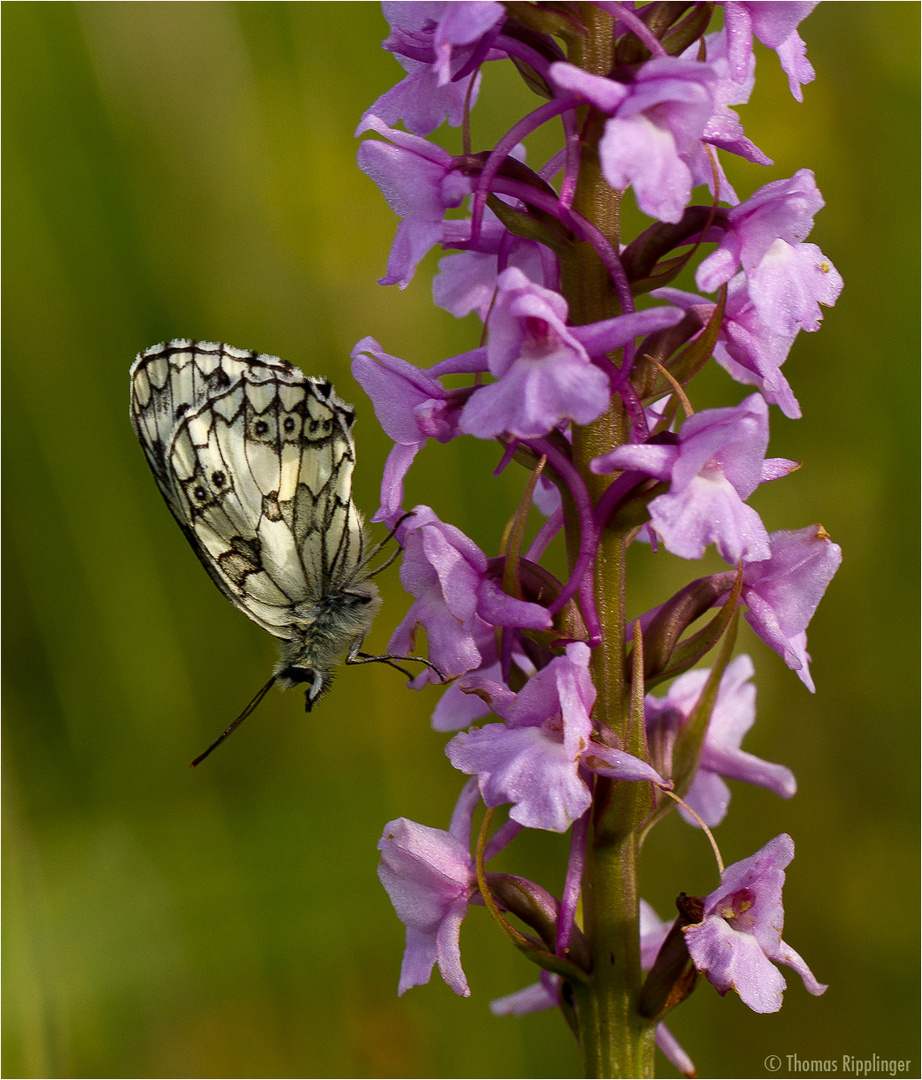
(317, 682)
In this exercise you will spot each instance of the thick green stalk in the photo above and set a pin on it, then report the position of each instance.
(615, 1040)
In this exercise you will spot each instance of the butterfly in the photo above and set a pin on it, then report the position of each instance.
(255, 460)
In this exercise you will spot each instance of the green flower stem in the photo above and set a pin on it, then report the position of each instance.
(615, 1040)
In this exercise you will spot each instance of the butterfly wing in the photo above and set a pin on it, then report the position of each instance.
(255, 460)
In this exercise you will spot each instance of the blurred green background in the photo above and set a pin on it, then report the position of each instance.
(182, 169)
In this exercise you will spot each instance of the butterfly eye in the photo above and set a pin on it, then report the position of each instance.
(218, 479)
(260, 427)
(200, 493)
(289, 425)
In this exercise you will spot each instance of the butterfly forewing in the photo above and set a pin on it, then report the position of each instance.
(255, 460)
(167, 380)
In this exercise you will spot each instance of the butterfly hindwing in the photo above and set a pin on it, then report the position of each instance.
(263, 473)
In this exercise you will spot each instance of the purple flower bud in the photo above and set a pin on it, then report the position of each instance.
(791, 286)
(738, 941)
(775, 25)
(418, 181)
(783, 592)
(429, 876)
(410, 405)
(655, 129)
(716, 464)
(531, 999)
(440, 33)
(433, 42)
(732, 717)
(724, 128)
(786, 278)
(747, 348)
(466, 281)
(457, 602)
(533, 760)
(544, 374)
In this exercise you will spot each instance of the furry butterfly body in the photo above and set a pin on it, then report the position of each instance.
(255, 461)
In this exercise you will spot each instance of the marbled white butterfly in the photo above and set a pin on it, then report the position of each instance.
(255, 460)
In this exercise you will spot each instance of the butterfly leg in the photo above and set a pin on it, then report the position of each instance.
(354, 656)
(374, 551)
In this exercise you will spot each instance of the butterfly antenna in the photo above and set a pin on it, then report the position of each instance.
(387, 562)
(236, 724)
(378, 547)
